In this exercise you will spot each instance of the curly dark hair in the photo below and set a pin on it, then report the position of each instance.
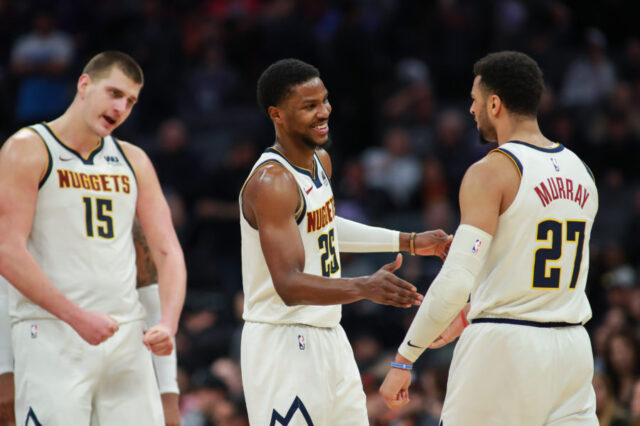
(515, 77)
(279, 78)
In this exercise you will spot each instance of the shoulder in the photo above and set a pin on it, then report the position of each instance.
(137, 157)
(325, 159)
(271, 184)
(492, 173)
(25, 147)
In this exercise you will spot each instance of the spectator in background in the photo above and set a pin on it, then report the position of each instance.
(393, 167)
(591, 78)
(41, 61)
(622, 364)
(609, 412)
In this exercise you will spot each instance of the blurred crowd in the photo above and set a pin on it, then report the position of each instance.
(399, 75)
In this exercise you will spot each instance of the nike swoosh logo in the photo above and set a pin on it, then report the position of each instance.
(308, 190)
(65, 159)
(413, 346)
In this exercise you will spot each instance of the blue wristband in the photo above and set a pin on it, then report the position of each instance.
(401, 366)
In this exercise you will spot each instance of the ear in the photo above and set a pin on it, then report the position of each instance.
(494, 105)
(275, 114)
(83, 83)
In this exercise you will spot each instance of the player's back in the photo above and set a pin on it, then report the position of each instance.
(538, 262)
(81, 232)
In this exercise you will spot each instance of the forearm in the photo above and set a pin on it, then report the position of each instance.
(305, 289)
(449, 292)
(6, 350)
(172, 279)
(19, 267)
(354, 237)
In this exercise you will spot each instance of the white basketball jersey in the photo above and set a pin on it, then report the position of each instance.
(536, 269)
(316, 225)
(81, 235)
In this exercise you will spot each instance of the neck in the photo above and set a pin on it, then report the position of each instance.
(522, 129)
(297, 152)
(73, 132)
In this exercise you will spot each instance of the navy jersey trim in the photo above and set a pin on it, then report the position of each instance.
(116, 142)
(296, 405)
(90, 157)
(513, 158)
(303, 209)
(558, 148)
(589, 171)
(523, 322)
(47, 172)
(313, 174)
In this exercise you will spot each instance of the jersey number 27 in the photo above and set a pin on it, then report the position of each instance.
(552, 232)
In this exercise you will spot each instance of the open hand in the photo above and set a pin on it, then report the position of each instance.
(433, 243)
(386, 288)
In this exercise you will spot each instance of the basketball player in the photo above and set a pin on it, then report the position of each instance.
(522, 253)
(165, 367)
(70, 195)
(297, 364)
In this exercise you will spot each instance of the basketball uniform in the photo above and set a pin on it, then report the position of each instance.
(81, 238)
(298, 367)
(526, 359)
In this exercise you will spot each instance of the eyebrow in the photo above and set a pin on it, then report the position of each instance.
(120, 91)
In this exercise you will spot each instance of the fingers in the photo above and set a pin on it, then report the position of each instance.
(158, 340)
(395, 265)
(438, 343)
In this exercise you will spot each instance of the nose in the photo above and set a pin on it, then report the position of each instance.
(325, 110)
(471, 109)
(120, 105)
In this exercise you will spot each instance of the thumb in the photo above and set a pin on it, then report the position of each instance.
(395, 265)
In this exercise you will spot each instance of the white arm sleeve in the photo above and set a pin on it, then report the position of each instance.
(6, 350)
(166, 367)
(450, 290)
(354, 237)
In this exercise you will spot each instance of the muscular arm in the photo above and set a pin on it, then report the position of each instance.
(147, 273)
(270, 199)
(155, 219)
(23, 160)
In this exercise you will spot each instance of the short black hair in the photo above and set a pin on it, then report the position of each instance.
(515, 77)
(100, 65)
(279, 78)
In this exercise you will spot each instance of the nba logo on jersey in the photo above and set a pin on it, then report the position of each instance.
(476, 247)
(34, 331)
(301, 343)
(325, 179)
(555, 164)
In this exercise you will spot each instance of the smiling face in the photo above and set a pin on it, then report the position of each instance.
(107, 101)
(478, 109)
(304, 113)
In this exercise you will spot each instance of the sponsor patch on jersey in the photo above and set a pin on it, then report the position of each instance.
(34, 331)
(476, 247)
(111, 159)
(301, 344)
(555, 164)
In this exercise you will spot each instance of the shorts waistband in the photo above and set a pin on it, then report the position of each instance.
(524, 322)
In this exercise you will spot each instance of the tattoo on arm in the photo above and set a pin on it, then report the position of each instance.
(147, 272)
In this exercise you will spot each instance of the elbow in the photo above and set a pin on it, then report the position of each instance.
(286, 292)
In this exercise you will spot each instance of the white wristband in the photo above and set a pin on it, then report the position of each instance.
(450, 290)
(166, 367)
(354, 237)
(6, 350)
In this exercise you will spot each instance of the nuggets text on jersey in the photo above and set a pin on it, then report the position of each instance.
(95, 182)
(319, 218)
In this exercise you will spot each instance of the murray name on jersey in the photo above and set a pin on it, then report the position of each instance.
(554, 188)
